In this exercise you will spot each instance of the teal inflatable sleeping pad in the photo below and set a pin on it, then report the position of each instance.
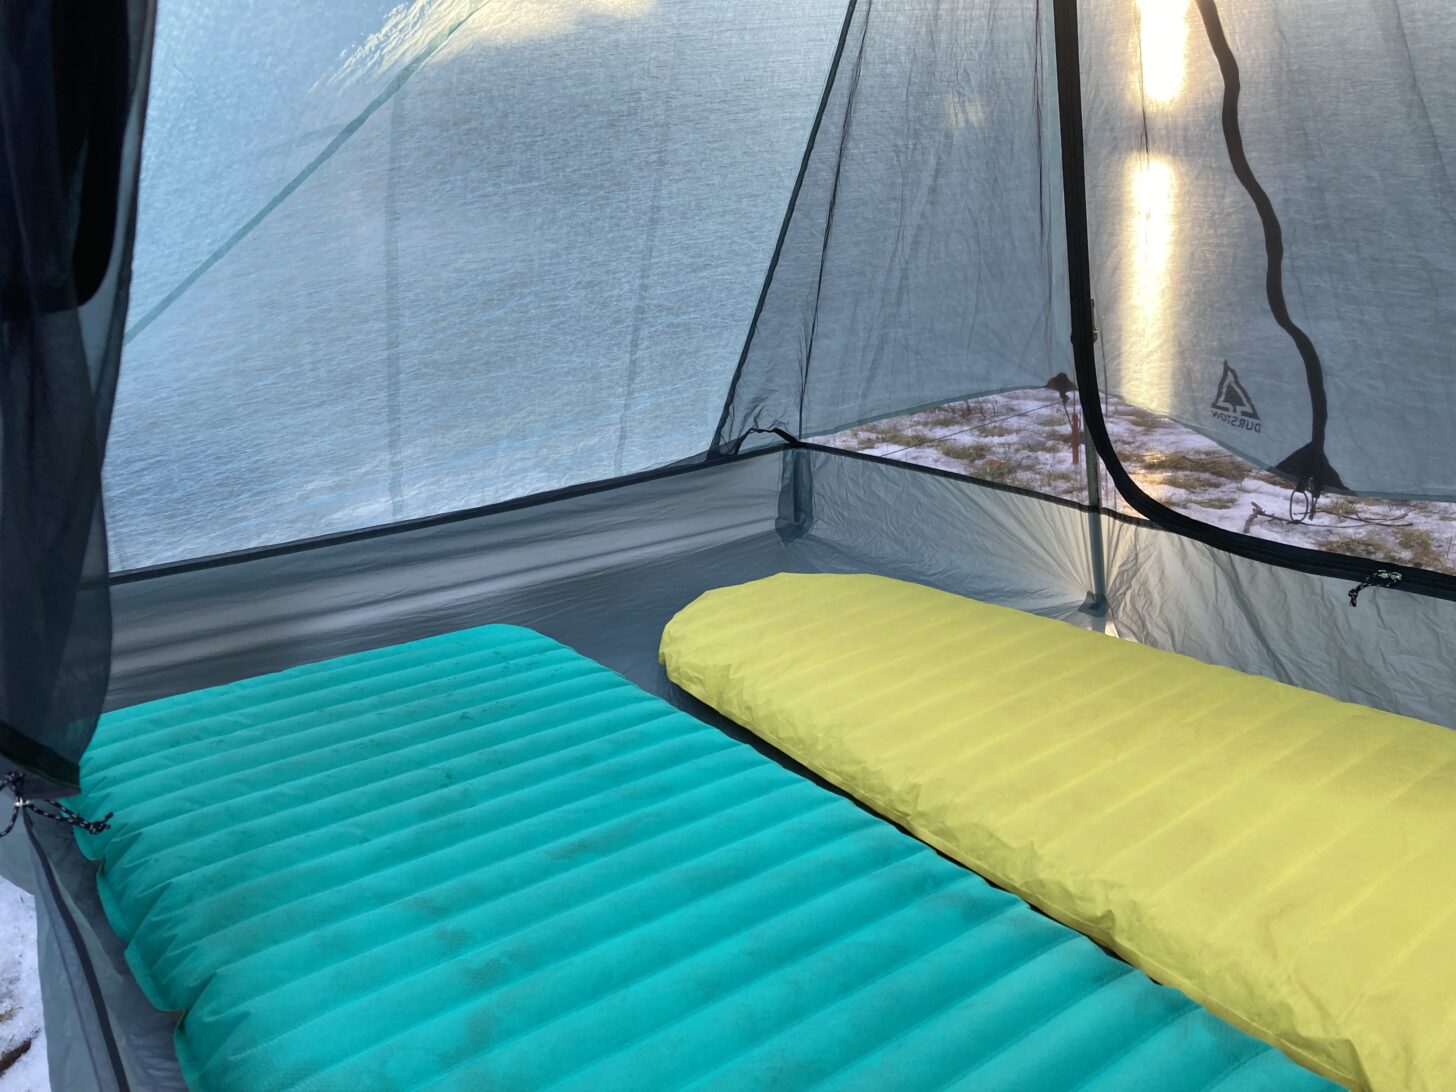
(482, 860)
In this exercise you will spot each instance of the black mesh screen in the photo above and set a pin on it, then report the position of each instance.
(70, 112)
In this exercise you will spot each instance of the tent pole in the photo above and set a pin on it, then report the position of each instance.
(1079, 271)
(1097, 598)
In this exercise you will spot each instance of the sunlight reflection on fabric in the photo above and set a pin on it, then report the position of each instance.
(1152, 190)
(411, 26)
(1163, 42)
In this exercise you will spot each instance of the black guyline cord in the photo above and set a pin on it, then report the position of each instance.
(1308, 466)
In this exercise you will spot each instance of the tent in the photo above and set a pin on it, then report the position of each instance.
(403, 318)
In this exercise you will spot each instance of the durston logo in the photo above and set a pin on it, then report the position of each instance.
(1232, 404)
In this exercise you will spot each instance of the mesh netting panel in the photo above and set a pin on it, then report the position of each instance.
(922, 260)
(1273, 240)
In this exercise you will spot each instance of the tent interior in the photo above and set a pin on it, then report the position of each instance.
(379, 322)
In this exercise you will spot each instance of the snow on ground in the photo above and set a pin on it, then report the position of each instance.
(22, 1034)
(1024, 439)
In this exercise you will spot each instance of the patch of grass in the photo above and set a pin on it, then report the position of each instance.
(1017, 471)
(856, 441)
(982, 409)
(1189, 482)
(9, 1057)
(906, 437)
(941, 417)
(1215, 464)
(1419, 547)
(1140, 418)
(1407, 545)
(1359, 545)
(1341, 507)
(1220, 500)
(964, 412)
(1062, 483)
(1045, 445)
(995, 470)
(969, 451)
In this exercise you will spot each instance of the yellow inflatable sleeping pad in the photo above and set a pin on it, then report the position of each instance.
(1286, 859)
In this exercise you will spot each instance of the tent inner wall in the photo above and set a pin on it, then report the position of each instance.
(1164, 589)
(1269, 245)
(922, 260)
(395, 260)
(604, 570)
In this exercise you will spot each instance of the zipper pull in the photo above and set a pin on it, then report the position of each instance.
(1380, 578)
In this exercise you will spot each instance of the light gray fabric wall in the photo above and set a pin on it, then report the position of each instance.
(1004, 547)
(102, 1034)
(398, 259)
(1395, 651)
(541, 565)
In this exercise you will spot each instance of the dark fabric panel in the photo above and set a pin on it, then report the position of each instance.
(72, 97)
(921, 260)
